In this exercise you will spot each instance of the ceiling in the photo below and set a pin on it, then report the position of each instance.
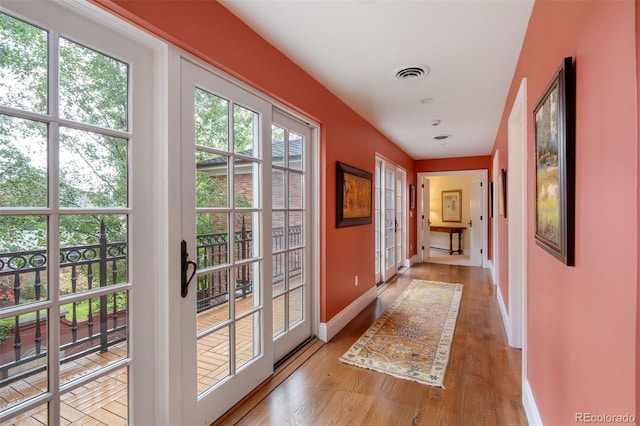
(355, 47)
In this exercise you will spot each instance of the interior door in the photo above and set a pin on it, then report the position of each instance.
(291, 223)
(226, 310)
(476, 223)
(424, 219)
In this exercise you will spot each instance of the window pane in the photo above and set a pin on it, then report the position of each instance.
(245, 123)
(23, 367)
(87, 249)
(23, 260)
(296, 301)
(247, 339)
(277, 145)
(23, 65)
(277, 188)
(93, 170)
(212, 239)
(93, 87)
(243, 236)
(296, 258)
(23, 163)
(213, 359)
(296, 229)
(93, 334)
(212, 120)
(244, 187)
(295, 190)
(278, 315)
(246, 298)
(213, 299)
(278, 232)
(103, 401)
(92, 327)
(212, 171)
(295, 152)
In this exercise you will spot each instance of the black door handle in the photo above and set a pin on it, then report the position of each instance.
(184, 268)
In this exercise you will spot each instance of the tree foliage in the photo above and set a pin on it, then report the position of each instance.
(93, 172)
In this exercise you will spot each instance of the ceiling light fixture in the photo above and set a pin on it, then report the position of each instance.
(441, 137)
(436, 122)
(413, 72)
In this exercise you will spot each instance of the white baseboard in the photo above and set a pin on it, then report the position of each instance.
(328, 330)
(492, 271)
(529, 404)
(503, 312)
(414, 259)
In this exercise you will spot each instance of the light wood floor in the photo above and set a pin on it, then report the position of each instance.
(482, 381)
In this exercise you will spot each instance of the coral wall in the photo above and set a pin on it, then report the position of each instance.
(581, 320)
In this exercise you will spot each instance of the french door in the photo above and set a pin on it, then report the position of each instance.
(246, 229)
(226, 321)
(76, 218)
(390, 219)
(291, 232)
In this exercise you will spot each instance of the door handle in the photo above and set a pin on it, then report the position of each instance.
(471, 224)
(184, 269)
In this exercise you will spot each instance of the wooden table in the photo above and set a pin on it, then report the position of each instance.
(451, 230)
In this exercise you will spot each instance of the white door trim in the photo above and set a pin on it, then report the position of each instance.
(484, 173)
(517, 215)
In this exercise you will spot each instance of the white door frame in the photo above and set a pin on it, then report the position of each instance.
(483, 173)
(399, 174)
(517, 217)
(170, 406)
(146, 322)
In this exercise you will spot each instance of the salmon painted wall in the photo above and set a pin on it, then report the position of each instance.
(638, 211)
(453, 164)
(209, 31)
(581, 320)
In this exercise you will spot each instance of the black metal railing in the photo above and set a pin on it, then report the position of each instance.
(105, 324)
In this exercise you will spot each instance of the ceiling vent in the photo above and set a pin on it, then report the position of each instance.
(414, 72)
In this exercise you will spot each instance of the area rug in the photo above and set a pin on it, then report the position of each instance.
(412, 338)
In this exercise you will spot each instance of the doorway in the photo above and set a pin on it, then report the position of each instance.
(390, 219)
(441, 241)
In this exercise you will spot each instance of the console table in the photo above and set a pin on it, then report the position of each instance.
(451, 230)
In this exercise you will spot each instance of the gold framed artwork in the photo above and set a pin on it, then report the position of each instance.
(452, 205)
(353, 196)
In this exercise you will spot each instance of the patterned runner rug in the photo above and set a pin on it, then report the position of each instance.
(412, 338)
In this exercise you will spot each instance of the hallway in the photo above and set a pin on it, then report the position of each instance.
(482, 381)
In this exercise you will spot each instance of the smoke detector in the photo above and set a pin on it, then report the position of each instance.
(413, 72)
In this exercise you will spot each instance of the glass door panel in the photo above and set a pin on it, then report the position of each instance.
(224, 325)
(290, 212)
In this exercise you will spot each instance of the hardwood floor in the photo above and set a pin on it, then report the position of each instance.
(482, 380)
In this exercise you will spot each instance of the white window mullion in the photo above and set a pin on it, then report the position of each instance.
(53, 337)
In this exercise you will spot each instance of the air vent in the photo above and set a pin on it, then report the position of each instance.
(441, 137)
(414, 72)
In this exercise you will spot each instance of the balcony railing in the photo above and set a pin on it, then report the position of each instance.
(105, 323)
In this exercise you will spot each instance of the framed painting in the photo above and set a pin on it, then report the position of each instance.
(554, 118)
(451, 205)
(412, 197)
(353, 196)
(502, 193)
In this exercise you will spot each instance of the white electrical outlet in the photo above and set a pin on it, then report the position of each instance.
(356, 280)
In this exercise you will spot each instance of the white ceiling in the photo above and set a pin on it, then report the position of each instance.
(354, 48)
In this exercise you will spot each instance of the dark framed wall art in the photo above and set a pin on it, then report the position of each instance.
(353, 196)
(554, 118)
